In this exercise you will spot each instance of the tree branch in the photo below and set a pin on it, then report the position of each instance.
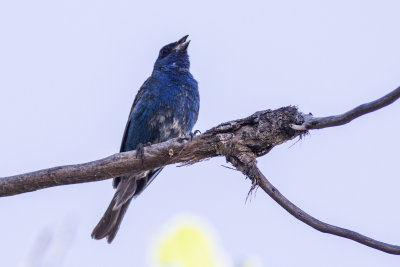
(240, 141)
(261, 131)
(323, 122)
(248, 166)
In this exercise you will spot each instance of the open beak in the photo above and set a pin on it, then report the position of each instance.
(182, 45)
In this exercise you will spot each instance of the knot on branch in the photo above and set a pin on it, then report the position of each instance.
(259, 132)
(242, 141)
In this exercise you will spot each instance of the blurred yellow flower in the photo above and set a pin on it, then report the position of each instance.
(188, 243)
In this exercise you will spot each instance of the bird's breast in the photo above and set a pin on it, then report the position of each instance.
(167, 108)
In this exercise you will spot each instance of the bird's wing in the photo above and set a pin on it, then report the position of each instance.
(138, 96)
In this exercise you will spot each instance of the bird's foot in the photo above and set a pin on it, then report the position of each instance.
(194, 134)
(188, 136)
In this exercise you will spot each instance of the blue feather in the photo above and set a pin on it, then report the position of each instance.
(166, 106)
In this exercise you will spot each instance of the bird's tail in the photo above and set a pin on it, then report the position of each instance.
(109, 223)
(128, 187)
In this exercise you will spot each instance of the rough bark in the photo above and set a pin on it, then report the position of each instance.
(260, 132)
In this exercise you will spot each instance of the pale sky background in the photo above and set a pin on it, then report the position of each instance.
(69, 71)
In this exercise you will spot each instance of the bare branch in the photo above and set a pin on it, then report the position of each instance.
(112, 166)
(261, 131)
(249, 167)
(324, 122)
(240, 141)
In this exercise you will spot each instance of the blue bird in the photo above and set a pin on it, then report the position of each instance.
(166, 106)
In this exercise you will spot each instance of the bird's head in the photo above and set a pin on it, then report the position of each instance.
(174, 56)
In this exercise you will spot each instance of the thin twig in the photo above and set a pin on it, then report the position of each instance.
(324, 122)
(230, 168)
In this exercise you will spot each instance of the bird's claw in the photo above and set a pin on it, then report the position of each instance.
(189, 136)
(194, 134)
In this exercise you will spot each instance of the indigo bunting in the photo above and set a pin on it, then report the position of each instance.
(165, 107)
